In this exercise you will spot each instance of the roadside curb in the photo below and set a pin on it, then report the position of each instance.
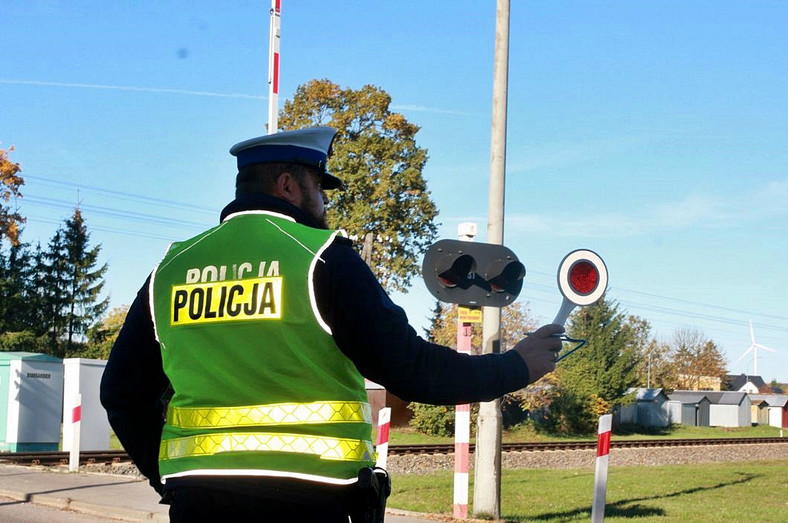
(85, 507)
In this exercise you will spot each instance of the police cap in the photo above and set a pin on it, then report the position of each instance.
(310, 147)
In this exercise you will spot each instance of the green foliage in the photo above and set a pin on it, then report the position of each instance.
(376, 156)
(15, 292)
(516, 321)
(49, 298)
(594, 380)
(433, 420)
(438, 420)
(102, 335)
(24, 341)
(83, 282)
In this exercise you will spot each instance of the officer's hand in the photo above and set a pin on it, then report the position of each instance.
(540, 350)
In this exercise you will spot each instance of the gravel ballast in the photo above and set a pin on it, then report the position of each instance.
(560, 459)
(563, 459)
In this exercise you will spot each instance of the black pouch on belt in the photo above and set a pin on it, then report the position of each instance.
(374, 487)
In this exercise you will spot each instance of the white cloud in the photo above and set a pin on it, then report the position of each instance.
(691, 211)
(425, 109)
(132, 88)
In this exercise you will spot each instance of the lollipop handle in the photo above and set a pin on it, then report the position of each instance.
(563, 313)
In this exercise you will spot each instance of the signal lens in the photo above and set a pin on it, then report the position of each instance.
(452, 271)
(583, 277)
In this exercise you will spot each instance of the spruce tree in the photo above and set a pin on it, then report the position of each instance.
(594, 380)
(72, 286)
(53, 294)
(84, 280)
(15, 275)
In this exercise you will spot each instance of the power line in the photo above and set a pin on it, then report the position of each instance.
(538, 289)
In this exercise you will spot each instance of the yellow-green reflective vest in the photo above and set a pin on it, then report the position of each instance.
(260, 387)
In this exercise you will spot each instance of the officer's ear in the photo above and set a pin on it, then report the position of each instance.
(288, 189)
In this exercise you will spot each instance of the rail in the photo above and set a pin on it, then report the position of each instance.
(109, 457)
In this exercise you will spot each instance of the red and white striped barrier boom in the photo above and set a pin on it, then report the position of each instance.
(602, 461)
(273, 66)
(382, 448)
(462, 434)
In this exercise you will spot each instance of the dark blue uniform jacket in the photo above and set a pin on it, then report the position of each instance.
(367, 326)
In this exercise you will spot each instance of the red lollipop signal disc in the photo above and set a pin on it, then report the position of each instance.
(583, 277)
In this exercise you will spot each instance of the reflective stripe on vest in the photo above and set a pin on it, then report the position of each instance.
(328, 448)
(274, 414)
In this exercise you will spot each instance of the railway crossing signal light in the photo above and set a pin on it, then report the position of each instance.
(473, 274)
(582, 279)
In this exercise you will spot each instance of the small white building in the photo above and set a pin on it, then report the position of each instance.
(693, 407)
(729, 409)
(772, 409)
(649, 410)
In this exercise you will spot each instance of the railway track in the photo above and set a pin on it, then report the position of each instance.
(108, 457)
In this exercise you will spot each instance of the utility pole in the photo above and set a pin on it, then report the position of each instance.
(273, 66)
(487, 477)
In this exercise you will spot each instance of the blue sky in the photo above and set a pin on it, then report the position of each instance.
(653, 133)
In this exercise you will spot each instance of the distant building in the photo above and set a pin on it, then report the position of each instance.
(379, 397)
(649, 409)
(693, 382)
(690, 407)
(729, 409)
(771, 409)
(745, 383)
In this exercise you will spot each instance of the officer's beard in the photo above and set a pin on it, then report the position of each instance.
(309, 206)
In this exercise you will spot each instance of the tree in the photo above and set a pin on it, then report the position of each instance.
(102, 335)
(54, 270)
(656, 369)
(594, 380)
(516, 321)
(84, 281)
(696, 359)
(10, 182)
(72, 286)
(376, 155)
(15, 292)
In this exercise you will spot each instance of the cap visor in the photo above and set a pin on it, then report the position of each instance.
(329, 181)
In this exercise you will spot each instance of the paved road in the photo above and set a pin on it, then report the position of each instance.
(15, 511)
(105, 496)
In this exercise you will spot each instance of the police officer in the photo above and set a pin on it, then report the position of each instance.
(237, 381)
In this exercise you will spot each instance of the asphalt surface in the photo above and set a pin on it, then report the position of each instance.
(103, 495)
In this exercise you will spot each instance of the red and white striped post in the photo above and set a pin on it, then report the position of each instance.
(76, 425)
(602, 461)
(382, 448)
(462, 434)
(273, 66)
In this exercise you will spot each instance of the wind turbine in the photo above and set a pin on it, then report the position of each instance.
(754, 349)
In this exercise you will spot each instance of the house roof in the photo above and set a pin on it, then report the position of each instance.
(688, 396)
(773, 400)
(643, 394)
(737, 381)
(726, 398)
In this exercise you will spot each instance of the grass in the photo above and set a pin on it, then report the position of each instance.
(743, 491)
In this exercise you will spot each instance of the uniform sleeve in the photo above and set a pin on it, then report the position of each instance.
(132, 389)
(375, 334)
